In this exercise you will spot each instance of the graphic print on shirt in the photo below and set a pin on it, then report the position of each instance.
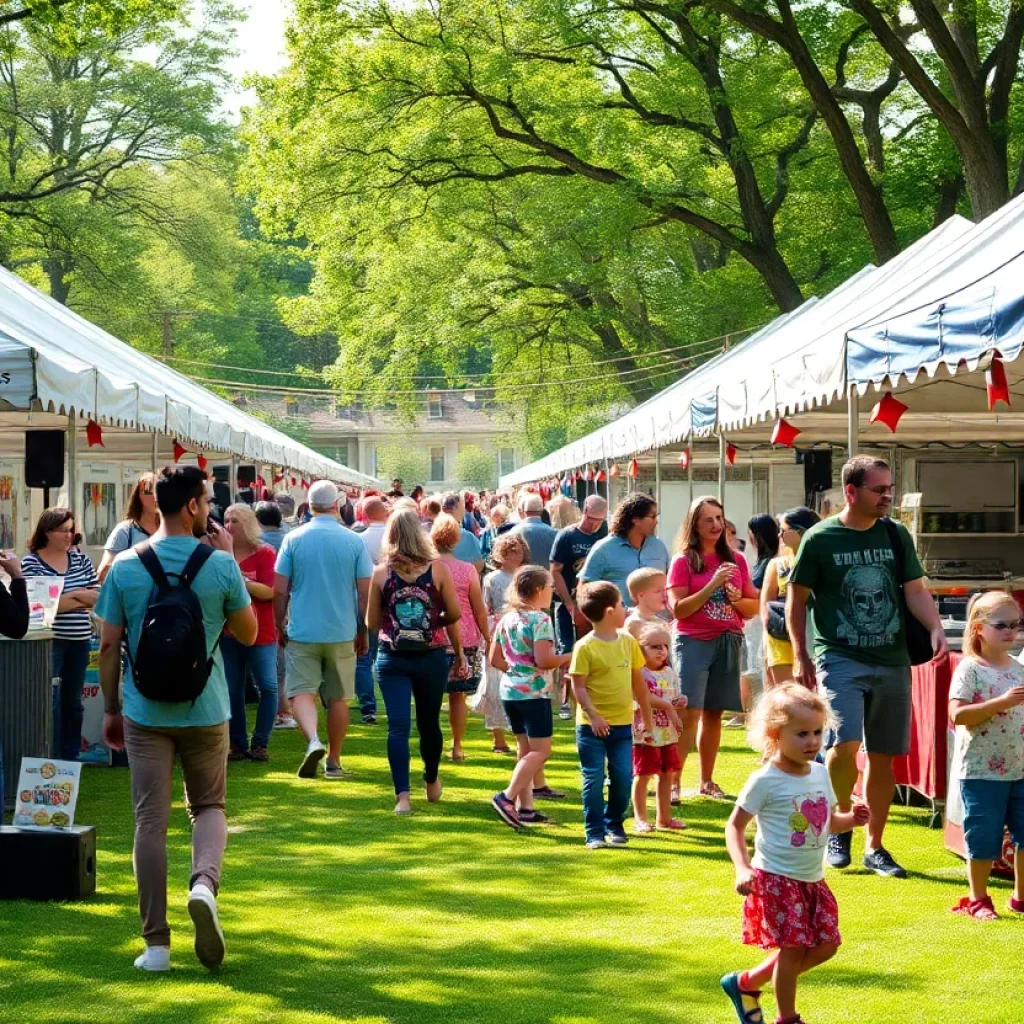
(412, 607)
(809, 821)
(869, 612)
(719, 608)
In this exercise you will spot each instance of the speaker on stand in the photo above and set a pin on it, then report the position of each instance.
(44, 460)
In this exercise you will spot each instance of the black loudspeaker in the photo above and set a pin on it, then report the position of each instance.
(246, 476)
(59, 865)
(44, 458)
(221, 473)
(221, 494)
(818, 469)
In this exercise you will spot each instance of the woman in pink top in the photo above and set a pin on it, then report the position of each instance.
(473, 627)
(711, 596)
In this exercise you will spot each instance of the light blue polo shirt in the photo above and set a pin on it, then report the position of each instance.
(539, 537)
(614, 558)
(468, 548)
(124, 598)
(323, 560)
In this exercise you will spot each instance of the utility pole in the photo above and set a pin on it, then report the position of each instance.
(168, 341)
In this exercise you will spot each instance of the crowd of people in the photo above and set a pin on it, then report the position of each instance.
(518, 609)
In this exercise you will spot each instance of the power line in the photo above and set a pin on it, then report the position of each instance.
(693, 348)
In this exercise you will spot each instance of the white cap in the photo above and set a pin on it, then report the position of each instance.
(323, 495)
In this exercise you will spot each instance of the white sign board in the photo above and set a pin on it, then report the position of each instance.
(43, 596)
(47, 793)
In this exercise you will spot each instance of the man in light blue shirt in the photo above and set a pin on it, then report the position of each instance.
(538, 535)
(468, 548)
(153, 732)
(630, 545)
(323, 571)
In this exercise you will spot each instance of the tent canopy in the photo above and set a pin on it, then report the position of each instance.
(946, 301)
(51, 355)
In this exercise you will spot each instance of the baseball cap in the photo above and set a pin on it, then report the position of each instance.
(323, 494)
(533, 503)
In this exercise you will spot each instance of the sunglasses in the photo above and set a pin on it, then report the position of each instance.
(1013, 624)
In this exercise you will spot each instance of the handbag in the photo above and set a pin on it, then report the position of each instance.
(919, 640)
(776, 624)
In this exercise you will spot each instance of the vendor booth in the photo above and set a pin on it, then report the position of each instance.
(82, 414)
(935, 334)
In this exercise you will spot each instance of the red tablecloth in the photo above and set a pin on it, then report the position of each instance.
(924, 768)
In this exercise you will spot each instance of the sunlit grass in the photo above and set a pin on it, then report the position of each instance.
(337, 911)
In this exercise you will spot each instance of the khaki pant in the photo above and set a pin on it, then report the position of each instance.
(151, 752)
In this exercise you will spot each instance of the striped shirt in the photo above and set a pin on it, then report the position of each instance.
(74, 625)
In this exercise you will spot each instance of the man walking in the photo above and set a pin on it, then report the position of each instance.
(538, 535)
(155, 731)
(850, 564)
(630, 545)
(468, 548)
(376, 515)
(323, 573)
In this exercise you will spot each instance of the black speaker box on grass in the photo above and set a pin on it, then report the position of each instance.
(47, 865)
(44, 458)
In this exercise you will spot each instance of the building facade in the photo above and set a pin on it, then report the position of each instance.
(358, 437)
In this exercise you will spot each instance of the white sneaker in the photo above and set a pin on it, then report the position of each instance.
(202, 908)
(285, 722)
(156, 958)
(314, 752)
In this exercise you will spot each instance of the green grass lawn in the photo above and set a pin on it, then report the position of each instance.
(337, 911)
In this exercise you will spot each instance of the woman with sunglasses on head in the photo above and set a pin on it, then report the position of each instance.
(53, 553)
(140, 522)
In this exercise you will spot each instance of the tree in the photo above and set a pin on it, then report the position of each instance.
(476, 469)
(399, 462)
(113, 15)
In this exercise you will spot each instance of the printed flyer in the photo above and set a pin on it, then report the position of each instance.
(47, 793)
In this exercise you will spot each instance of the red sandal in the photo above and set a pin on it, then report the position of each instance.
(981, 910)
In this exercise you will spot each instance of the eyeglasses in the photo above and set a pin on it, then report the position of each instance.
(1014, 624)
(878, 490)
(64, 529)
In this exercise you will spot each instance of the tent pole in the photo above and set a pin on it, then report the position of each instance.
(689, 468)
(852, 421)
(72, 460)
(721, 469)
(753, 488)
(156, 452)
(232, 482)
(657, 476)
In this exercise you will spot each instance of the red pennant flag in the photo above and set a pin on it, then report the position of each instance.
(278, 478)
(305, 483)
(178, 451)
(260, 481)
(94, 435)
(614, 471)
(684, 459)
(601, 476)
(784, 433)
(730, 454)
(995, 383)
(634, 469)
(889, 410)
(545, 492)
(295, 482)
(203, 462)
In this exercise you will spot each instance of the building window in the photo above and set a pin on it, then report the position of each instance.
(436, 465)
(341, 454)
(434, 408)
(506, 461)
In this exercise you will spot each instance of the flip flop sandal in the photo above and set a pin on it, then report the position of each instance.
(457, 757)
(712, 790)
(674, 825)
(642, 828)
(980, 910)
(731, 987)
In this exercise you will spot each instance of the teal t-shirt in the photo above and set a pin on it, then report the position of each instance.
(123, 601)
(857, 608)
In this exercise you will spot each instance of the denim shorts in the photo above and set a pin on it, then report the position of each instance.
(872, 703)
(989, 805)
(531, 717)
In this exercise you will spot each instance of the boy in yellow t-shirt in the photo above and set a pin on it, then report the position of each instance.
(607, 676)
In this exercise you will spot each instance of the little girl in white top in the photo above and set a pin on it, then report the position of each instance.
(789, 908)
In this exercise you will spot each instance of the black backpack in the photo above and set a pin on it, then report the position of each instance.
(171, 664)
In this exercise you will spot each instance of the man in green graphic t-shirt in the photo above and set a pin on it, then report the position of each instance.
(860, 653)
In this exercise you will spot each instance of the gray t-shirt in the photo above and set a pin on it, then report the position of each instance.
(124, 536)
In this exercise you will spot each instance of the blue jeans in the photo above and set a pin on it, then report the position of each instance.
(261, 660)
(364, 678)
(565, 629)
(420, 677)
(615, 749)
(70, 662)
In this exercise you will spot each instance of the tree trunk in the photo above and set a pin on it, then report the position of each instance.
(56, 272)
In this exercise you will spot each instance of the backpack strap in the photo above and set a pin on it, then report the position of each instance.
(147, 556)
(896, 543)
(196, 561)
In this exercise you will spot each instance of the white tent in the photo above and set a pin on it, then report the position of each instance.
(53, 360)
(808, 359)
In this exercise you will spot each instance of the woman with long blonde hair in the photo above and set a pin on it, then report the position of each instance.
(141, 519)
(256, 561)
(413, 603)
(563, 512)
